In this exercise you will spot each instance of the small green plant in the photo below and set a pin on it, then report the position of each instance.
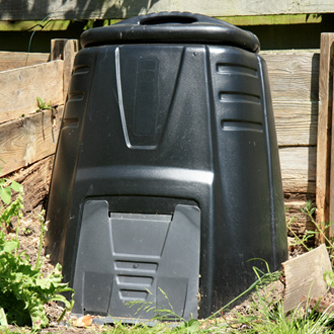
(319, 232)
(300, 241)
(23, 288)
(6, 188)
(266, 314)
(165, 320)
(43, 105)
(265, 318)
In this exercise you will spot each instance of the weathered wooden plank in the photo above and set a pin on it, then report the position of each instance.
(29, 139)
(66, 50)
(304, 277)
(296, 123)
(298, 167)
(35, 180)
(245, 7)
(19, 88)
(99, 9)
(293, 76)
(324, 182)
(11, 60)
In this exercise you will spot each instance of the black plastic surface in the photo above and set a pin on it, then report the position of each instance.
(132, 256)
(172, 27)
(148, 127)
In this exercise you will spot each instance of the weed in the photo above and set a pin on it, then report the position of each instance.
(303, 241)
(265, 319)
(165, 320)
(266, 315)
(43, 105)
(319, 233)
(23, 289)
(6, 188)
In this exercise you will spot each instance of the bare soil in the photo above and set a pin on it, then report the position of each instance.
(29, 241)
(29, 237)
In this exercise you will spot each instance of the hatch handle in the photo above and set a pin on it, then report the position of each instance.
(168, 19)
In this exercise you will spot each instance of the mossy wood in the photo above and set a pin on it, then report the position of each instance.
(95, 9)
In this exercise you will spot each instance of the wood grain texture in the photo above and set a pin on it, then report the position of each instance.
(12, 60)
(102, 9)
(29, 139)
(296, 123)
(324, 182)
(293, 76)
(298, 167)
(19, 88)
(35, 180)
(65, 49)
(294, 80)
(304, 277)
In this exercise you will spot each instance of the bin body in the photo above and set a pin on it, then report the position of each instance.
(166, 179)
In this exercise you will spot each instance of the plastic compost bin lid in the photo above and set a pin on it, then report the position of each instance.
(171, 27)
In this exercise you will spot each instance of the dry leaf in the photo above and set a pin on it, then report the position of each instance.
(84, 321)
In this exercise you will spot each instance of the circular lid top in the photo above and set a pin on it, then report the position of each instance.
(171, 27)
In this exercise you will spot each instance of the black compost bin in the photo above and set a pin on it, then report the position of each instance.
(166, 179)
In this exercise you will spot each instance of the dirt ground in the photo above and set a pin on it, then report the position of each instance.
(29, 240)
(29, 236)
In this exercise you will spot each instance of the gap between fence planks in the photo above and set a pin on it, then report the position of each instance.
(297, 221)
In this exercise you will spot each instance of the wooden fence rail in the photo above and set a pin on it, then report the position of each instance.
(28, 136)
(109, 9)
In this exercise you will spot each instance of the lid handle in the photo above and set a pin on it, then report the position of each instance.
(168, 19)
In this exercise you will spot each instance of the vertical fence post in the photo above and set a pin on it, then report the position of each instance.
(66, 50)
(325, 158)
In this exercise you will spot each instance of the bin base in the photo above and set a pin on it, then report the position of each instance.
(129, 264)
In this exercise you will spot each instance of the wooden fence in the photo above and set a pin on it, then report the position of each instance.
(27, 143)
(294, 82)
(28, 136)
